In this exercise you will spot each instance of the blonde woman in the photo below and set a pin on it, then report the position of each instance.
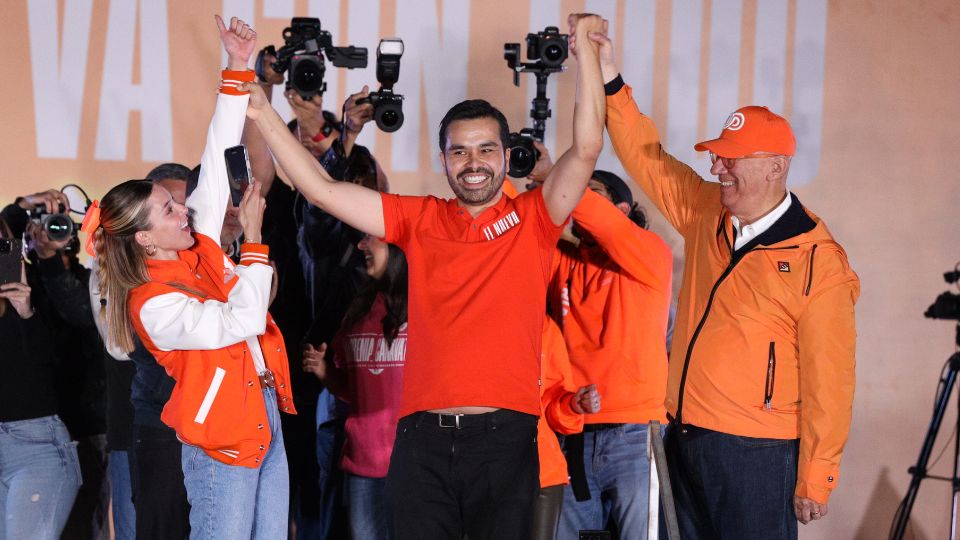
(206, 322)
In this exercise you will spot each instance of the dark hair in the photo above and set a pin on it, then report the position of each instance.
(473, 109)
(393, 285)
(620, 193)
(168, 170)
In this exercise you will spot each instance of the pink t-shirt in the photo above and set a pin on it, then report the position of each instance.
(375, 384)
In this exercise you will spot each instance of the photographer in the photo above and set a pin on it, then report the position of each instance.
(62, 373)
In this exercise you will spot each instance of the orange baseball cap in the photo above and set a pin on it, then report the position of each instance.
(752, 129)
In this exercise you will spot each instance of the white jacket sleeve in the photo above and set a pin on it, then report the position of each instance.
(209, 200)
(175, 321)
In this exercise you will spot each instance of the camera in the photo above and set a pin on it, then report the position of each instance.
(549, 46)
(548, 50)
(523, 154)
(947, 305)
(305, 43)
(387, 106)
(58, 226)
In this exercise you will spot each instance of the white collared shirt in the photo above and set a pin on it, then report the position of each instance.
(758, 227)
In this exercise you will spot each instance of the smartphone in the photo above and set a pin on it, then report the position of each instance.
(11, 253)
(238, 171)
(594, 535)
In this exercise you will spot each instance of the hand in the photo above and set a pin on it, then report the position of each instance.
(314, 362)
(43, 246)
(582, 25)
(251, 208)
(18, 294)
(50, 199)
(239, 41)
(808, 510)
(258, 99)
(587, 400)
(543, 165)
(354, 115)
(309, 112)
(271, 76)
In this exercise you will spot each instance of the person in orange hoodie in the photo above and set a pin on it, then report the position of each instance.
(563, 409)
(762, 368)
(611, 296)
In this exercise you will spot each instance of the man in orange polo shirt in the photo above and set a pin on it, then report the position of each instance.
(761, 375)
(465, 456)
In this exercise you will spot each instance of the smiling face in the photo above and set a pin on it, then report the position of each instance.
(751, 186)
(169, 227)
(376, 254)
(475, 162)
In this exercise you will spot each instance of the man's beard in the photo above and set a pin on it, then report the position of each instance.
(477, 196)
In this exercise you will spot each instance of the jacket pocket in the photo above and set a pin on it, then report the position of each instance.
(211, 394)
(771, 376)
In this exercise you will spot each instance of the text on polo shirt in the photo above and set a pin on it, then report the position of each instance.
(501, 225)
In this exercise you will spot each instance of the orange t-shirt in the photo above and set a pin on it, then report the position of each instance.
(477, 300)
(556, 397)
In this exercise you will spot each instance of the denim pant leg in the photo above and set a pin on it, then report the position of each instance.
(582, 515)
(124, 516)
(367, 507)
(623, 473)
(273, 487)
(39, 477)
(228, 501)
(744, 485)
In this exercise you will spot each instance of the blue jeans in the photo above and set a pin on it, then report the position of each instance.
(618, 476)
(39, 477)
(330, 437)
(727, 486)
(228, 501)
(121, 496)
(367, 505)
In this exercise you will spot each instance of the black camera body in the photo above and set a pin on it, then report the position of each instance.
(547, 50)
(305, 43)
(947, 304)
(387, 106)
(549, 47)
(523, 154)
(58, 226)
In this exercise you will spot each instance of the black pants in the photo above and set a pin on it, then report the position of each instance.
(727, 486)
(159, 497)
(480, 479)
(546, 512)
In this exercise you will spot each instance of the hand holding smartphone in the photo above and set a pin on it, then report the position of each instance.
(11, 255)
(238, 171)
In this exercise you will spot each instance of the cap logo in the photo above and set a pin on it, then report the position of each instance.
(734, 122)
(783, 266)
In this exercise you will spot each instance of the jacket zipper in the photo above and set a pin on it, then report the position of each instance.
(703, 319)
(810, 272)
(771, 374)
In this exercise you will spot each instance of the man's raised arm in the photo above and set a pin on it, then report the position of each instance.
(569, 178)
(357, 206)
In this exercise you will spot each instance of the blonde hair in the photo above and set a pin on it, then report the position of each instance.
(122, 261)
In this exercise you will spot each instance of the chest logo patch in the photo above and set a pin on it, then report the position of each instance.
(783, 266)
(501, 225)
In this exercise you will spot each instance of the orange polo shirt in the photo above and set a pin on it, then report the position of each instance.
(477, 300)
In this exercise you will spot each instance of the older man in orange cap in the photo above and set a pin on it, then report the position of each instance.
(761, 376)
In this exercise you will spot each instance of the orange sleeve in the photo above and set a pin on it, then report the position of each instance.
(637, 251)
(671, 184)
(251, 253)
(230, 81)
(558, 390)
(509, 189)
(828, 335)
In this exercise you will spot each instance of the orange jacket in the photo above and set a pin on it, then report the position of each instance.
(217, 403)
(613, 300)
(764, 340)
